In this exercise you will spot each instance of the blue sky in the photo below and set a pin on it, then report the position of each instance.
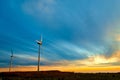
(72, 30)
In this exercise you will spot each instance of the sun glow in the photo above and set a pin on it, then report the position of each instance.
(83, 69)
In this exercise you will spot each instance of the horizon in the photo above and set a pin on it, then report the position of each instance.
(82, 69)
(81, 35)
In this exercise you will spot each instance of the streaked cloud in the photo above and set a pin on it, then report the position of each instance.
(75, 33)
(118, 37)
(40, 8)
(99, 60)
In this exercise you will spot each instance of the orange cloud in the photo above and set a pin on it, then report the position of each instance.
(84, 69)
(98, 63)
(118, 37)
(98, 60)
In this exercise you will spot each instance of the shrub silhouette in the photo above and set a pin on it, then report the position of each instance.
(57, 75)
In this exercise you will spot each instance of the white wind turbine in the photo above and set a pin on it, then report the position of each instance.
(11, 60)
(39, 42)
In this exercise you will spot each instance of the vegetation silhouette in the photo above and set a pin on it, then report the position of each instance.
(57, 75)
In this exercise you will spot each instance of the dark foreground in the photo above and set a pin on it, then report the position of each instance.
(57, 75)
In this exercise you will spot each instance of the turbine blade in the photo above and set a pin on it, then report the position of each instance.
(11, 52)
(37, 41)
(41, 38)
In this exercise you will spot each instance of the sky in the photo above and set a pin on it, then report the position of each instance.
(77, 35)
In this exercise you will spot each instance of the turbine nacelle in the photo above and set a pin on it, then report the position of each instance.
(39, 42)
(11, 53)
(11, 60)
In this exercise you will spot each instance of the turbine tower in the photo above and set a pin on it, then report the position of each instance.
(11, 59)
(39, 42)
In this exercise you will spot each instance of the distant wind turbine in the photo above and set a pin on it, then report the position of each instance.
(40, 44)
(11, 60)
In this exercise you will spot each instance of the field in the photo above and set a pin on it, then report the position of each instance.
(57, 75)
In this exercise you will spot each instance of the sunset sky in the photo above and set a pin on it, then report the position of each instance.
(78, 35)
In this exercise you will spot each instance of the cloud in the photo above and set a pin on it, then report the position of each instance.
(27, 60)
(92, 63)
(99, 60)
(83, 69)
(68, 53)
(111, 37)
(39, 8)
(65, 51)
(118, 37)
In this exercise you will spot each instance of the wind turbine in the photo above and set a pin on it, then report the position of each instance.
(39, 42)
(11, 59)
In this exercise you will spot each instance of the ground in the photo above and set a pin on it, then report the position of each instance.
(57, 75)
